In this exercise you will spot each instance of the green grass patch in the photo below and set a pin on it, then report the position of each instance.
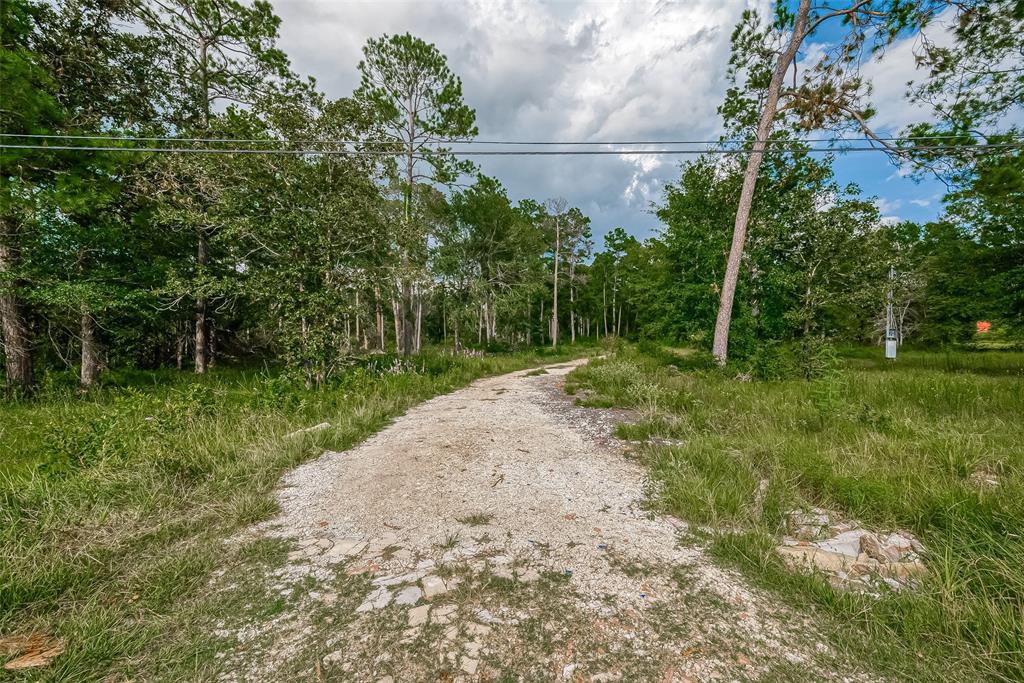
(114, 505)
(931, 442)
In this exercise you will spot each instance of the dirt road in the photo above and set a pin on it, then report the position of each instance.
(501, 531)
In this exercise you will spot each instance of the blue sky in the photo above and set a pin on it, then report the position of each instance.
(592, 70)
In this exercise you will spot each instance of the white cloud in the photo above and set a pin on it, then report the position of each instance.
(887, 205)
(542, 70)
(920, 202)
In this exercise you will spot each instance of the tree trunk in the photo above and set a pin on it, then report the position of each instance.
(554, 304)
(179, 351)
(542, 321)
(17, 343)
(90, 370)
(397, 314)
(419, 320)
(379, 313)
(357, 316)
(202, 258)
(604, 305)
(720, 346)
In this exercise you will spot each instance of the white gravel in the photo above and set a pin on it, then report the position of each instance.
(558, 495)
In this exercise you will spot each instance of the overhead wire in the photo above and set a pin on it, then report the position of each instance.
(342, 141)
(492, 152)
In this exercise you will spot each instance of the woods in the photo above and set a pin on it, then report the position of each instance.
(289, 227)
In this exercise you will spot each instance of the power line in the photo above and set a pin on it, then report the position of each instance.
(266, 141)
(463, 153)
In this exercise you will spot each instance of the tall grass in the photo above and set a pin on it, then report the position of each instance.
(114, 505)
(895, 445)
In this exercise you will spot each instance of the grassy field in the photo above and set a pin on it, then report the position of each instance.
(895, 445)
(114, 505)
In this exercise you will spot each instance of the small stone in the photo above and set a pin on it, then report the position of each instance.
(386, 679)
(568, 670)
(810, 556)
(410, 577)
(334, 657)
(451, 633)
(846, 543)
(408, 596)
(433, 585)
(379, 544)
(473, 648)
(345, 547)
(378, 599)
(419, 615)
(469, 665)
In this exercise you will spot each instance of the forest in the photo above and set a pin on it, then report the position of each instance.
(212, 272)
(366, 232)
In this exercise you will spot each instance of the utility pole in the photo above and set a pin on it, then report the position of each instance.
(890, 319)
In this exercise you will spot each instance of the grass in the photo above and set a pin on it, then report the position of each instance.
(893, 444)
(114, 506)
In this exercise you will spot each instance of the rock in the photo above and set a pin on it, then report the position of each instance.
(378, 599)
(568, 670)
(904, 571)
(419, 615)
(386, 679)
(334, 657)
(846, 543)
(473, 648)
(411, 577)
(377, 545)
(865, 564)
(808, 525)
(815, 558)
(451, 633)
(344, 548)
(433, 585)
(408, 596)
(896, 547)
(469, 665)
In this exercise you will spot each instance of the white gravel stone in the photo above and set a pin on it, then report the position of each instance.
(432, 586)
(419, 615)
(408, 596)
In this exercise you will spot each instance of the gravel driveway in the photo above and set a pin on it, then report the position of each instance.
(501, 531)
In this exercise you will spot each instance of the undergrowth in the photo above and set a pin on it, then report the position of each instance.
(892, 444)
(114, 505)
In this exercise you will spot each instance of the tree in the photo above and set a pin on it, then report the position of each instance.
(556, 212)
(407, 84)
(214, 51)
(831, 95)
(30, 107)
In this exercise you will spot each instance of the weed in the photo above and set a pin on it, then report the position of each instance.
(893, 444)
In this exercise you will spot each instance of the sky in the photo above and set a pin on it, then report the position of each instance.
(592, 70)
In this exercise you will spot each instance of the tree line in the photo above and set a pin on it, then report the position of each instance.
(365, 232)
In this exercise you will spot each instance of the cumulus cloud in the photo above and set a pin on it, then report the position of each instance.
(542, 70)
